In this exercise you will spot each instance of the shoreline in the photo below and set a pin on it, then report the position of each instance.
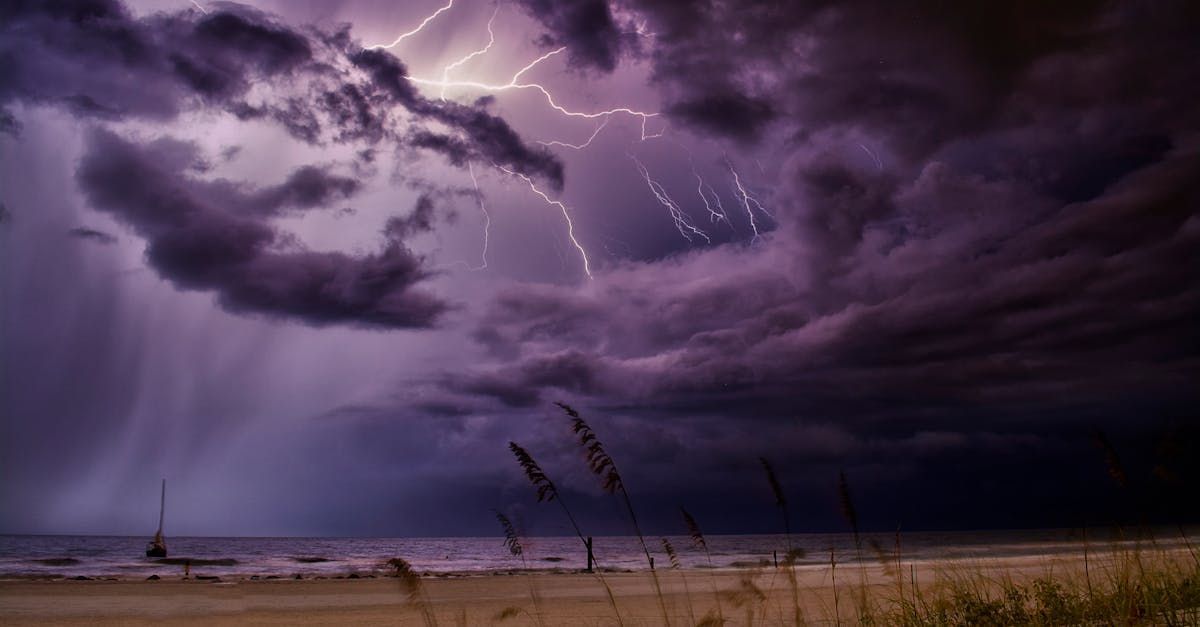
(207, 570)
(561, 597)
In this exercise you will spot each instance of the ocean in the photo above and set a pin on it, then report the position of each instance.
(124, 557)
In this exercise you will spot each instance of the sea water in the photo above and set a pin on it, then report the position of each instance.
(124, 557)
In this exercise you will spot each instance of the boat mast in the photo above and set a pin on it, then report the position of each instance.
(162, 505)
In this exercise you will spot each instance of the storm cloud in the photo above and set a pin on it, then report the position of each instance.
(974, 241)
(213, 235)
(97, 60)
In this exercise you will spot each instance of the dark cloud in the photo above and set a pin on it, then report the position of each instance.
(96, 57)
(586, 27)
(419, 220)
(307, 187)
(987, 220)
(983, 244)
(388, 75)
(921, 73)
(213, 235)
(485, 137)
(97, 60)
(92, 235)
(731, 113)
(9, 124)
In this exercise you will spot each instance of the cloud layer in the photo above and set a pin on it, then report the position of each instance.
(981, 243)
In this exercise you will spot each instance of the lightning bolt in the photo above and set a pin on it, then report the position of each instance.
(747, 199)
(651, 136)
(514, 84)
(584, 144)
(487, 218)
(713, 216)
(471, 55)
(683, 223)
(202, 9)
(416, 30)
(878, 163)
(566, 213)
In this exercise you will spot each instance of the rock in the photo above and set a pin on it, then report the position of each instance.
(208, 578)
(81, 578)
(153, 578)
(254, 577)
(298, 576)
(353, 576)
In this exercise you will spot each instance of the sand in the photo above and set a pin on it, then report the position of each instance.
(575, 599)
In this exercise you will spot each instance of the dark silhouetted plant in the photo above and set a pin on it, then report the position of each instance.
(512, 542)
(546, 492)
(673, 558)
(412, 587)
(789, 556)
(602, 465)
(698, 540)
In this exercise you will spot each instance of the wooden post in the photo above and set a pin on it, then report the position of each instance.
(590, 558)
(775, 556)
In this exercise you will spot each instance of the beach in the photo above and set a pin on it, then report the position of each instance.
(748, 596)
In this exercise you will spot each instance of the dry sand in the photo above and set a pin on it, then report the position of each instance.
(574, 599)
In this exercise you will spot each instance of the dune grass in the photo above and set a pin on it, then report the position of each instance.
(1133, 580)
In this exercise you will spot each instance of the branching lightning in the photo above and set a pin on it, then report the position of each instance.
(566, 213)
(514, 84)
(747, 199)
(683, 223)
(471, 55)
(416, 30)
(584, 144)
(718, 214)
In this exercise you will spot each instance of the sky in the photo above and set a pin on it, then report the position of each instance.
(317, 263)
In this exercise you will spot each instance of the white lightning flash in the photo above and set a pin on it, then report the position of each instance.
(683, 223)
(747, 199)
(873, 156)
(718, 214)
(416, 30)
(202, 9)
(566, 213)
(491, 42)
(584, 144)
(487, 219)
(514, 84)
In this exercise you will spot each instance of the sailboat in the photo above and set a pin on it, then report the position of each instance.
(158, 546)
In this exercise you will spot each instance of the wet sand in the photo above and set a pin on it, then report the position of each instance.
(576, 599)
